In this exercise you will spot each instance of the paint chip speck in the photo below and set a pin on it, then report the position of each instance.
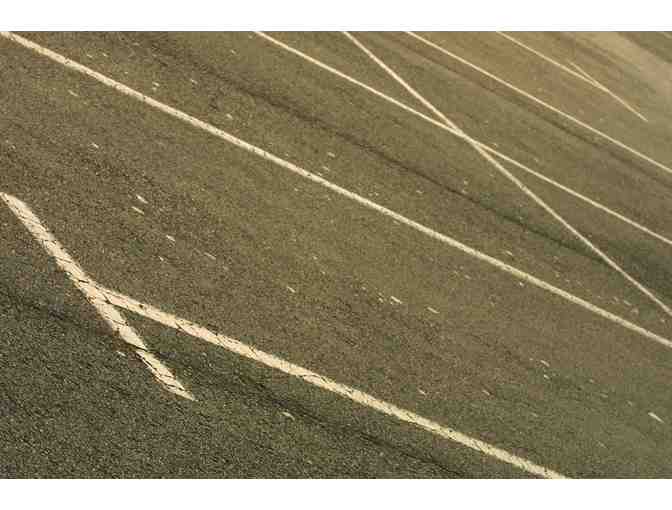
(396, 300)
(170, 238)
(656, 417)
(139, 211)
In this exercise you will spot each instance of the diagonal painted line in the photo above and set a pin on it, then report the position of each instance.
(585, 75)
(458, 134)
(93, 294)
(325, 383)
(610, 93)
(581, 75)
(253, 149)
(107, 301)
(538, 101)
(519, 184)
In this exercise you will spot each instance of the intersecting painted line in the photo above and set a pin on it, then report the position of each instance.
(253, 149)
(461, 135)
(107, 301)
(543, 103)
(519, 184)
(94, 295)
(582, 75)
(320, 381)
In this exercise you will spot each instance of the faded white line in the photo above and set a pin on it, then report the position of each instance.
(458, 134)
(94, 295)
(581, 75)
(543, 103)
(449, 241)
(519, 184)
(320, 381)
(584, 74)
(610, 93)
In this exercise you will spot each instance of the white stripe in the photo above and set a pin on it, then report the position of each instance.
(533, 280)
(544, 104)
(612, 94)
(310, 377)
(582, 75)
(585, 75)
(105, 301)
(94, 295)
(538, 200)
(458, 134)
(408, 88)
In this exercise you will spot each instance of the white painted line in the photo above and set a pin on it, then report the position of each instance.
(585, 75)
(447, 240)
(584, 198)
(518, 183)
(656, 417)
(402, 82)
(458, 134)
(94, 295)
(544, 104)
(105, 301)
(581, 75)
(310, 377)
(609, 92)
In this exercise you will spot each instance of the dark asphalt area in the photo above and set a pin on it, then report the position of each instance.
(242, 246)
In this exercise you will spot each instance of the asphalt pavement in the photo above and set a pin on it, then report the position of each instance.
(157, 209)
